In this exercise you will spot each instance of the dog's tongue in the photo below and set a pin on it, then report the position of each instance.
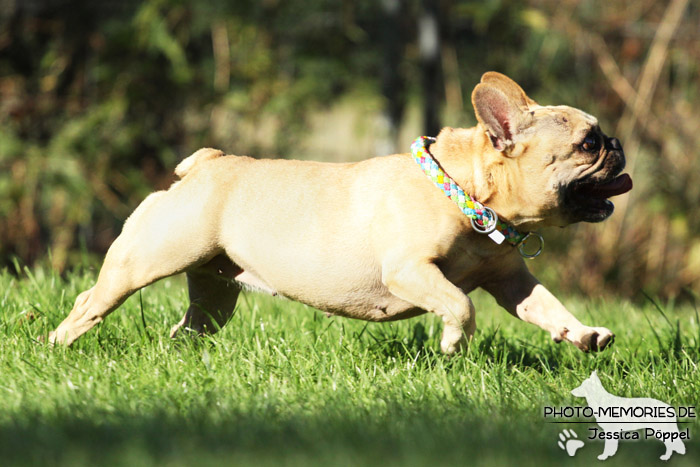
(617, 186)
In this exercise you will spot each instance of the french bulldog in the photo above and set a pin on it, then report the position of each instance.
(376, 240)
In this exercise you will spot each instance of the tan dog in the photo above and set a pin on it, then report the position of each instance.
(374, 240)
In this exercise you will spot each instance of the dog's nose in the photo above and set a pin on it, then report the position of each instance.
(615, 144)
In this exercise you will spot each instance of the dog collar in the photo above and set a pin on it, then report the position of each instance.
(484, 219)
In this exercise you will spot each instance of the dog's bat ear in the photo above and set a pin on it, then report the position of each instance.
(501, 116)
(510, 88)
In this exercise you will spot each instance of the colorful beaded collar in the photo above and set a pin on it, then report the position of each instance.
(484, 219)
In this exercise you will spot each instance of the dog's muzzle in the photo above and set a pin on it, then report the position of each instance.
(587, 199)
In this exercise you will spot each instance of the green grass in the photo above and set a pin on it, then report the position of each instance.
(282, 384)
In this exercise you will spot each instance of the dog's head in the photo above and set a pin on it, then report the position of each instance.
(557, 157)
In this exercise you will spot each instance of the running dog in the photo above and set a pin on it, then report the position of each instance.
(377, 240)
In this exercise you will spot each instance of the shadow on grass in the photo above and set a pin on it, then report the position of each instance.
(489, 347)
(268, 437)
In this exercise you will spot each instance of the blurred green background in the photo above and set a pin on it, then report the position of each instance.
(100, 99)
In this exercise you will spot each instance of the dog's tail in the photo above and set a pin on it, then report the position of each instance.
(189, 163)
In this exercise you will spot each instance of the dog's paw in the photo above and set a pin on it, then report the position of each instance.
(452, 347)
(595, 339)
(50, 339)
(456, 339)
(58, 337)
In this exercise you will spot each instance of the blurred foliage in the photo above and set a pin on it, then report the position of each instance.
(100, 99)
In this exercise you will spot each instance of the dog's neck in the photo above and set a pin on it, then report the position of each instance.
(482, 175)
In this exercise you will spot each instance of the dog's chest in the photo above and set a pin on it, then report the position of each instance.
(472, 261)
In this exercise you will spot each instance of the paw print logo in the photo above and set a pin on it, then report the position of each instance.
(569, 442)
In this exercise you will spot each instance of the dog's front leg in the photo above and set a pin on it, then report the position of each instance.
(422, 284)
(523, 296)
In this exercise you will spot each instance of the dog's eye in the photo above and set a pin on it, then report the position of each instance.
(590, 143)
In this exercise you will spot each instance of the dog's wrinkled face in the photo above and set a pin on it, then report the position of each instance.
(567, 167)
(581, 165)
(586, 197)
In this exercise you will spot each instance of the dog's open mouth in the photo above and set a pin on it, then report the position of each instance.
(590, 199)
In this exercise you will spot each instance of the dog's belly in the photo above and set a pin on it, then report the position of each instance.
(336, 296)
(389, 308)
(370, 305)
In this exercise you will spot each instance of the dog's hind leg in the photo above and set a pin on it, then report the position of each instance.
(213, 294)
(164, 236)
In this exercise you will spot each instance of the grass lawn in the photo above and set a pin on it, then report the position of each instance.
(282, 384)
